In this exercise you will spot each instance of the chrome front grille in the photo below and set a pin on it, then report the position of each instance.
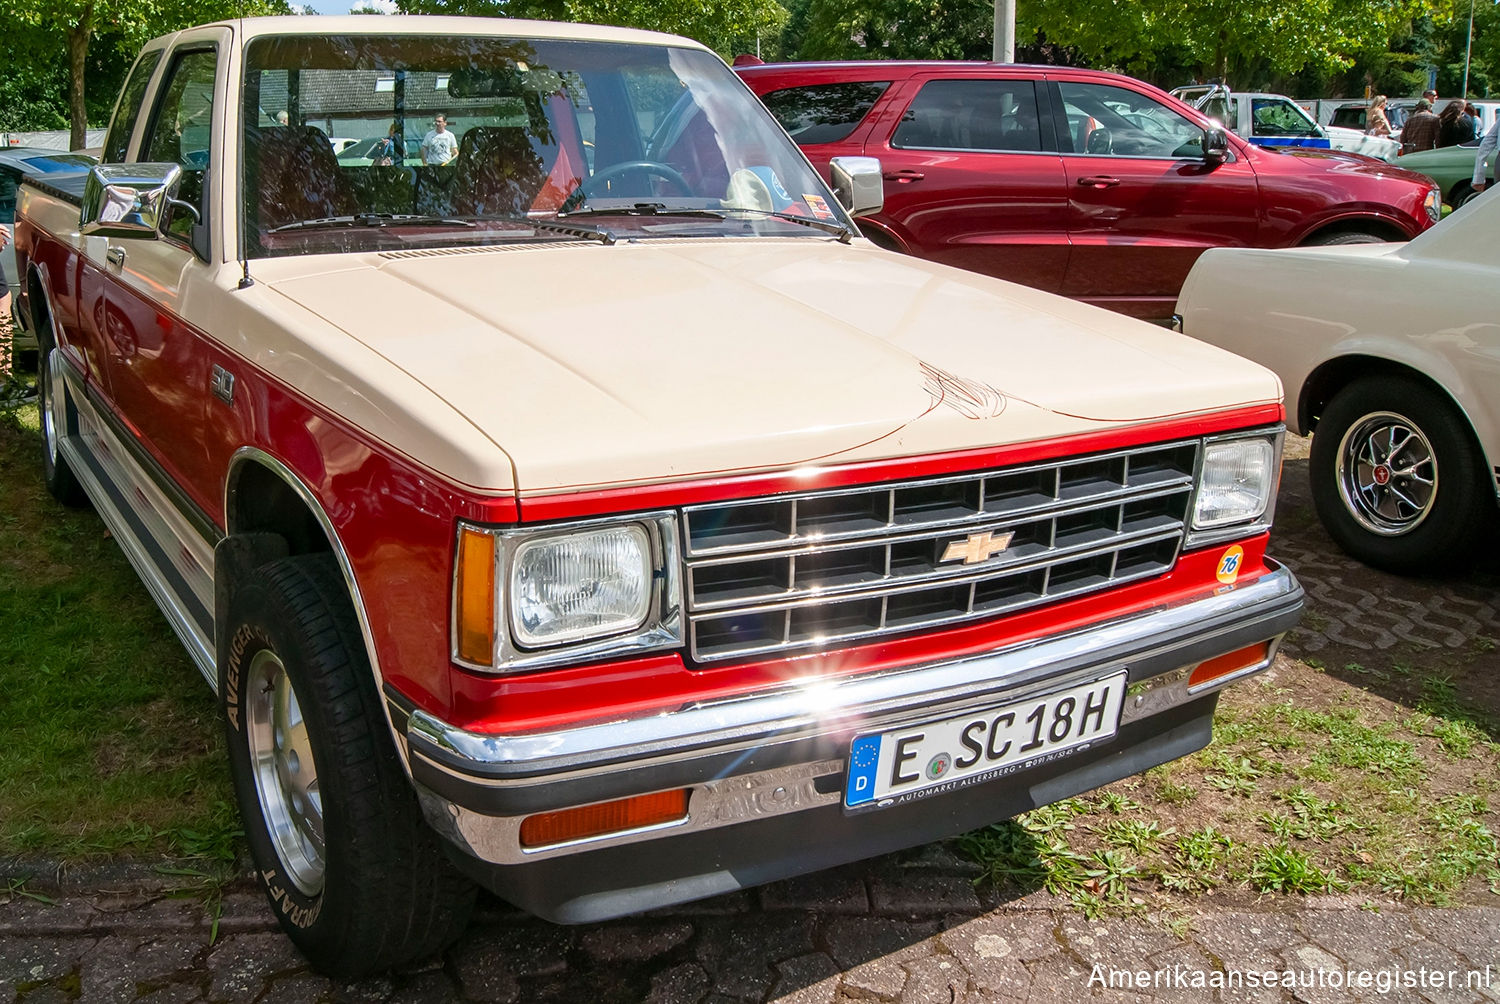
(796, 572)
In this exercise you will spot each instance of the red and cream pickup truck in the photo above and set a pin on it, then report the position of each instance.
(562, 496)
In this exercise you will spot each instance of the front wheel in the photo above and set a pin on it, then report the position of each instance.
(354, 875)
(1396, 476)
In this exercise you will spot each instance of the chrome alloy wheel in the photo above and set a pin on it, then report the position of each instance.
(286, 776)
(1387, 473)
(52, 401)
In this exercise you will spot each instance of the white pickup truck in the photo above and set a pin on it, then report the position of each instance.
(595, 515)
(1273, 120)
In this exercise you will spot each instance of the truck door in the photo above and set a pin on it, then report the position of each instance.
(157, 364)
(973, 180)
(89, 337)
(1144, 204)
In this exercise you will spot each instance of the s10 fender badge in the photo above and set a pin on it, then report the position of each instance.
(1230, 562)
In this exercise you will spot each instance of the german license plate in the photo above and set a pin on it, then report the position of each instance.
(888, 768)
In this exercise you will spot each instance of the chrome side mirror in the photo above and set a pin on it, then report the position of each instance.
(128, 200)
(1215, 147)
(858, 184)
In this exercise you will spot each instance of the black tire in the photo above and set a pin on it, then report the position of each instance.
(1413, 510)
(880, 239)
(1464, 193)
(1345, 237)
(376, 891)
(62, 483)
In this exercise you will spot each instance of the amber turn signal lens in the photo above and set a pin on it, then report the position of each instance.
(1243, 658)
(476, 597)
(606, 817)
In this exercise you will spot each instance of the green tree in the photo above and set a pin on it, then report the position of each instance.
(726, 27)
(30, 86)
(128, 23)
(34, 86)
(898, 29)
(1237, 40)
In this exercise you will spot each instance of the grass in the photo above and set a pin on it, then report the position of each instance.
(1311, 786)
(110, 734)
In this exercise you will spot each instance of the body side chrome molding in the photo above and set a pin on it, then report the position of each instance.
(192, 513)
(144, 522)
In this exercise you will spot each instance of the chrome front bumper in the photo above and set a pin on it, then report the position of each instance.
(781, 753)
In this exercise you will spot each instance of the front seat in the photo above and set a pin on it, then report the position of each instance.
(296, 175)
(500, 171)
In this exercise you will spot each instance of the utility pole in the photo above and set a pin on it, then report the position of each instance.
(1005, 31)
(1468, 48)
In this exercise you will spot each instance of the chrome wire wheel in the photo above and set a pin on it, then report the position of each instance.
(1387, 473)
(286, 776)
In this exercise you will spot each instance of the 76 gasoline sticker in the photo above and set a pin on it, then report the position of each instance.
(1230, 563)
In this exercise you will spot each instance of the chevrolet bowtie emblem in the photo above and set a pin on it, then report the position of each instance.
(977, 547)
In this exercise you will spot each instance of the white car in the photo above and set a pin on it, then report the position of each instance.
(1389, 355)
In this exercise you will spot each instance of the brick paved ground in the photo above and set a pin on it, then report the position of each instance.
(912, 931)
(908, 928)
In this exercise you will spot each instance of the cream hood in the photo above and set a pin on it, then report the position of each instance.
(665, 359)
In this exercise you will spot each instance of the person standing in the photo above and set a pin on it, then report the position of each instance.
(1482, 155)
(439, 145)
(1454, 127)
(1421, 129)
(1376, 124)
(390, 150)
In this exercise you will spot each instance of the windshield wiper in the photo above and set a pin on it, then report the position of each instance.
(585, 231)
(371, 220)
(642, 209)
(843, 233)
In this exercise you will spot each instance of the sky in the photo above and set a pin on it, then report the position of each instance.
(344, 6)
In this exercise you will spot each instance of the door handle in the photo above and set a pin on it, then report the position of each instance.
(115, 256)
(1099, 181)
(904, 177)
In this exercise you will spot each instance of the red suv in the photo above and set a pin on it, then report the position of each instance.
(1089, 184)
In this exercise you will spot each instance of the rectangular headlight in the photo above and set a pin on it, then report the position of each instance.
(530, 597)
(1236, 482)
(583, 585)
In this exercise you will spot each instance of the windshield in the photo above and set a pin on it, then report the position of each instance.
(633, 140)
(1280, 117)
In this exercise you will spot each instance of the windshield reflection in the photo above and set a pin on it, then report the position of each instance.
(503, 133)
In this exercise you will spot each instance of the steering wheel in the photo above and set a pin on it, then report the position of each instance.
(590, 186)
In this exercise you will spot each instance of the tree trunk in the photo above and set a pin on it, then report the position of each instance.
(78, 50)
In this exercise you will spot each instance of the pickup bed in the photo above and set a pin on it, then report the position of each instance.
(593, 514)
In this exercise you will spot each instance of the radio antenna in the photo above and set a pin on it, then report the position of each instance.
(245, 281)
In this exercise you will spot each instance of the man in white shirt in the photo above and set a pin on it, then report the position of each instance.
(1482, 155)
(439, 145)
